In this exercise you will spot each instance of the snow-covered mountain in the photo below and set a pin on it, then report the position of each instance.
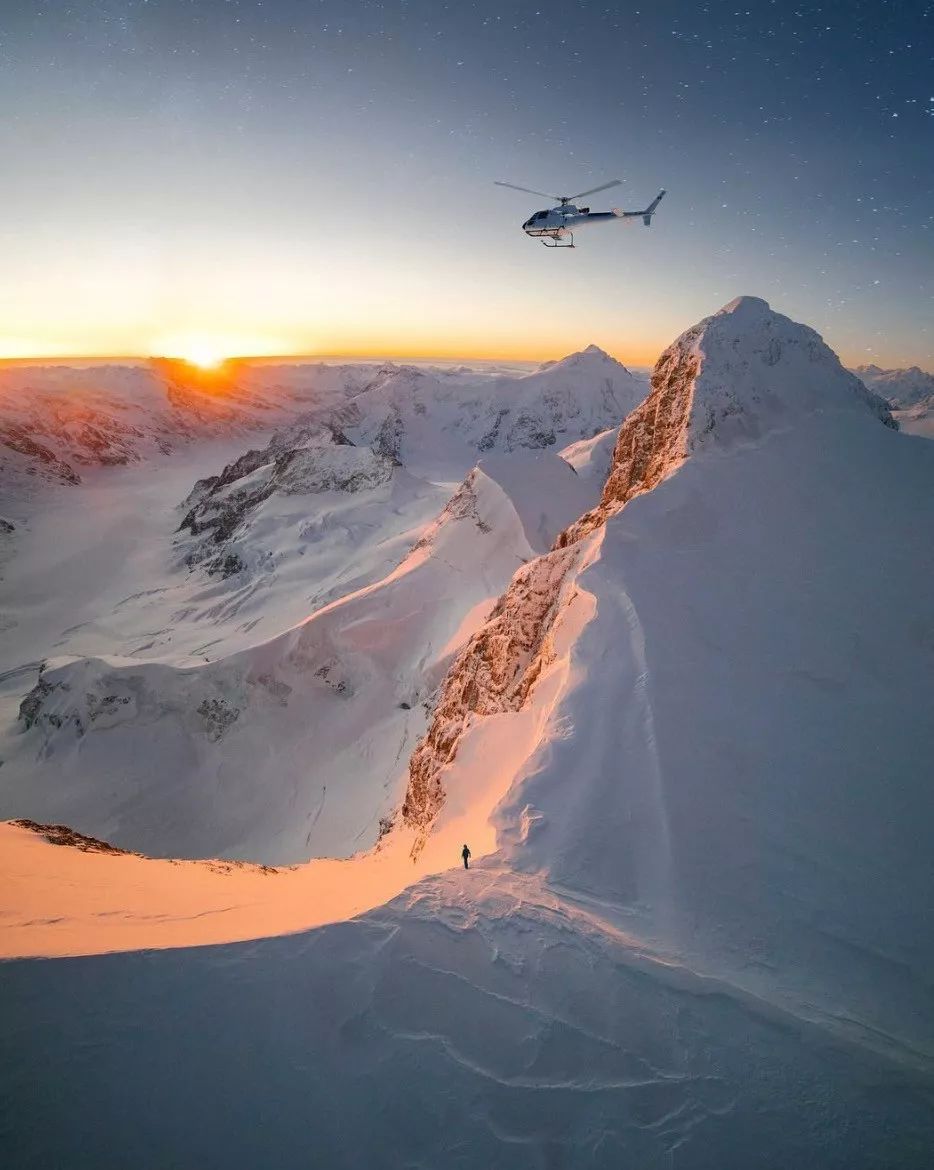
(319, 516)
(700, 691)
(902, 388)
(407, 412)
(910, 393)
(681, 715)
(294, 747)
(58, 421)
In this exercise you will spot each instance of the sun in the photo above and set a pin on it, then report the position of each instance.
(213, 351)
(203, 355)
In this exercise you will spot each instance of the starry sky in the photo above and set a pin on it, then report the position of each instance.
(316, 176)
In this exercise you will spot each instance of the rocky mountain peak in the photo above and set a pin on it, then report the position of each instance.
(730, 379)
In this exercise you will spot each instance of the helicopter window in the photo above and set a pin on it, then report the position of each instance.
(541, 215)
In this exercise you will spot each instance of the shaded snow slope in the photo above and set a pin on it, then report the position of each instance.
(727, 383)
(592, 458)
(472, 1023)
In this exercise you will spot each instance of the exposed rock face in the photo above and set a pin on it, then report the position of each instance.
(495, 673)
(463, 505)
(324, 461)
(729, 380)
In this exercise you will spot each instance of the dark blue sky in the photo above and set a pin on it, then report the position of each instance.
(318, 175)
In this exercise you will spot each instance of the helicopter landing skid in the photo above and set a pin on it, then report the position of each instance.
(550, 238)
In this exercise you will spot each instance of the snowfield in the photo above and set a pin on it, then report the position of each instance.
(674, 689)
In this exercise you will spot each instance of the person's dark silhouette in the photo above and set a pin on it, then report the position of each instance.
(465, 853)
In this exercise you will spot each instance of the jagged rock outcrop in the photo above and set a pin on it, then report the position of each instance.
(495, 673)
(730, 380)
(322, 460)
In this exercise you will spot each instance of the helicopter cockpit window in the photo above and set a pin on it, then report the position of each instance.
(541, 215)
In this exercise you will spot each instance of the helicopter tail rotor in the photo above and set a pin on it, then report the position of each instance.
(650, 210)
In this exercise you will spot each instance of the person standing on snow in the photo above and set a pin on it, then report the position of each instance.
(465, 853)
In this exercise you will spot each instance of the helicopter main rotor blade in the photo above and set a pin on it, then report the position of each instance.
(594, 190)
(527, 190)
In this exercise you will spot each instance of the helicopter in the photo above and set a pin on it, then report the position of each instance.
(557, 224)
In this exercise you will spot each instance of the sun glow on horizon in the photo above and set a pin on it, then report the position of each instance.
(203, 357)
(210, 351)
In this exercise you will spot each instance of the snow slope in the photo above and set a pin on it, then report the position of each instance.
(295, 747)
(700, 937)
(592, 458)
(917, 420)
(167, 653)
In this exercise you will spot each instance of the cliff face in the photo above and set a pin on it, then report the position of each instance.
(495, 673)
(652, 440)
(729, 381)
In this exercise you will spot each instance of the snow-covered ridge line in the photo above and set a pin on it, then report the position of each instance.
(728, 380)
(731, 378)
(55, 421)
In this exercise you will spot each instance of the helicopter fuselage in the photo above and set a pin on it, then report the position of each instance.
(557, 222)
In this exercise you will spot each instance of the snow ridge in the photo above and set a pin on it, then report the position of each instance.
(730, 380)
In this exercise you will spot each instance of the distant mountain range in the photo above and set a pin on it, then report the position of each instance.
(660, 654)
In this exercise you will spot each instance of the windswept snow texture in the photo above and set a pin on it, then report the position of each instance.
(703, 938)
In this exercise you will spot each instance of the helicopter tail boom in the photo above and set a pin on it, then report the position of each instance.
(645, 216)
